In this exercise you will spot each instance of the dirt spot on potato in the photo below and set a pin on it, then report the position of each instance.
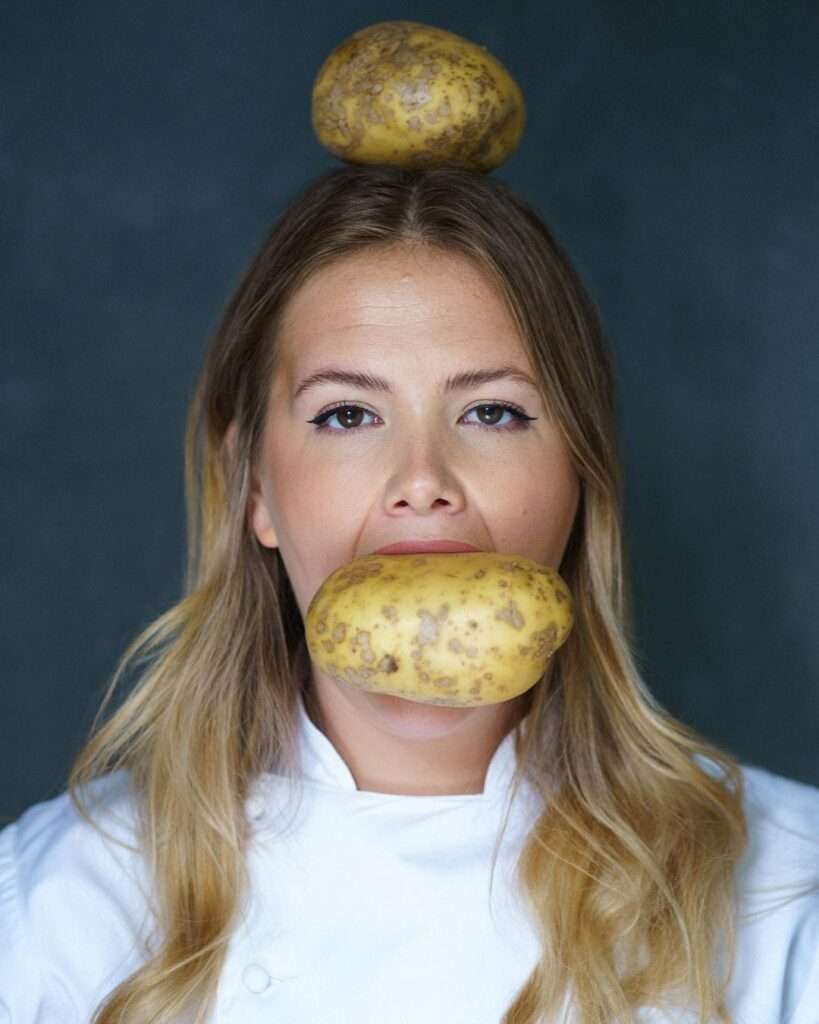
(430, 628)
(357, 677)
(353, 577)
(388, 664)
(362, 642)
(545, 640)
(340, 632)
(511, 613)
(455, 645)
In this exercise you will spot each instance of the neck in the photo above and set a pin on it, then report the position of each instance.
(397, 746)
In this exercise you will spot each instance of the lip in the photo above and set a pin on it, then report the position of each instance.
(409, 547)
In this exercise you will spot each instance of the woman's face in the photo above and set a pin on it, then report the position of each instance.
(412, 459)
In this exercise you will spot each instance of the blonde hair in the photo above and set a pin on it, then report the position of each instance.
(629, 869)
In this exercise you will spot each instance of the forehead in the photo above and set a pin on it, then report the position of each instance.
(395, 296)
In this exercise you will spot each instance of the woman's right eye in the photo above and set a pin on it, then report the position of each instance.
(320, 421)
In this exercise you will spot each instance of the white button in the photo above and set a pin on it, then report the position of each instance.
(256, 978)
(256, 806)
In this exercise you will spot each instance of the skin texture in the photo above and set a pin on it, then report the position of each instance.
(419, 465)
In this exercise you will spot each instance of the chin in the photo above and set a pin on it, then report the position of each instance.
(415, 719)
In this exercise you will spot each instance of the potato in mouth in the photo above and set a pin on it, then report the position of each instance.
(458, 629)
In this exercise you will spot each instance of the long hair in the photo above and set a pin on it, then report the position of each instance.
(629, 869)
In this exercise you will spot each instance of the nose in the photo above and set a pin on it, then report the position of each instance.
(424, 478)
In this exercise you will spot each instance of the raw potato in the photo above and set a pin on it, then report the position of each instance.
(460, 629)
(399, 92)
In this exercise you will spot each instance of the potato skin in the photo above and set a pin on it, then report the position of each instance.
(460, 630)
(399, 92)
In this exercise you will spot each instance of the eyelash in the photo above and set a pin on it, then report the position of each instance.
(520, 422)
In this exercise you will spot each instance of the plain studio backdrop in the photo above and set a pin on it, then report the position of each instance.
(673, 148)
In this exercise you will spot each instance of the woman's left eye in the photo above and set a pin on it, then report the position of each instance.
(519, 421)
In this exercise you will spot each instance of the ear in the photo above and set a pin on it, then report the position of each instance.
(258, 515)
(259, 518)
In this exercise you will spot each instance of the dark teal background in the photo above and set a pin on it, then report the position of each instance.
(674, 149)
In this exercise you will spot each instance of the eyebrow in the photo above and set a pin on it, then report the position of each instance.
(455, 382)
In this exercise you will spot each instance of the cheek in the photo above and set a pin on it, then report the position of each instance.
(539, 510)
(314, 489)
(314, 500)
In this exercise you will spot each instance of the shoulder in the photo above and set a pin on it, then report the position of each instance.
(783, 821)
(777, 974)
(53, 844)
(71, 894)
(791, 800)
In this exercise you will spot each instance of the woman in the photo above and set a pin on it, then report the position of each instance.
(641, 867)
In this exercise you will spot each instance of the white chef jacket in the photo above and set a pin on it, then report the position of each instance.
(364, 908)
